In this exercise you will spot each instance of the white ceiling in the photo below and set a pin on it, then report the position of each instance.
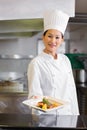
(27, 9)
(18, 9)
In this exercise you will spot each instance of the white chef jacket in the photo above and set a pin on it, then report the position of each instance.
(53, 77)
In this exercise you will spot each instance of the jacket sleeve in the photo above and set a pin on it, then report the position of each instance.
(33, 75)
(73, 91)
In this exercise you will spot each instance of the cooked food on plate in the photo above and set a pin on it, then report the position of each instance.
(47, 103)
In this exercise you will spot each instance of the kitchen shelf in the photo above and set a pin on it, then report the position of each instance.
(16, 56)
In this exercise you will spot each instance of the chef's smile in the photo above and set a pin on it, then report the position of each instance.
(52, 45)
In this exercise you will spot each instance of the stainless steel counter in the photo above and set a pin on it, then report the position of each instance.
(12, 103)
(14, 114)
(43, 121)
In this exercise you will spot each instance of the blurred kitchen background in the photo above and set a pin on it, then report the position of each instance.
(20, 42)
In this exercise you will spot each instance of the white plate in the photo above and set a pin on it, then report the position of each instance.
(32, 102)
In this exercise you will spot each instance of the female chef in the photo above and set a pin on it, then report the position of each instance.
(50, 73)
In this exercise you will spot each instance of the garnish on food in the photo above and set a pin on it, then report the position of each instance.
(47, 104)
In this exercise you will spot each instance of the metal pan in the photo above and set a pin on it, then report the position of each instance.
(11, 76)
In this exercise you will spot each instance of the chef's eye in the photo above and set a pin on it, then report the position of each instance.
(50, 36)
(57, 37)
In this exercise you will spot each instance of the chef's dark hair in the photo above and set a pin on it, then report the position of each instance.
(46, 32)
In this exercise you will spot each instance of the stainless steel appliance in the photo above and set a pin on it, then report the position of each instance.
(81, 75)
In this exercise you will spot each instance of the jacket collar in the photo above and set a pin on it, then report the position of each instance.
(47, 56)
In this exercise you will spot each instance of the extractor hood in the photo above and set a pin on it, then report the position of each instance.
(20, 28)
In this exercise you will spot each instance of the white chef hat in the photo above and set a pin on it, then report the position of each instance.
(55, 19)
